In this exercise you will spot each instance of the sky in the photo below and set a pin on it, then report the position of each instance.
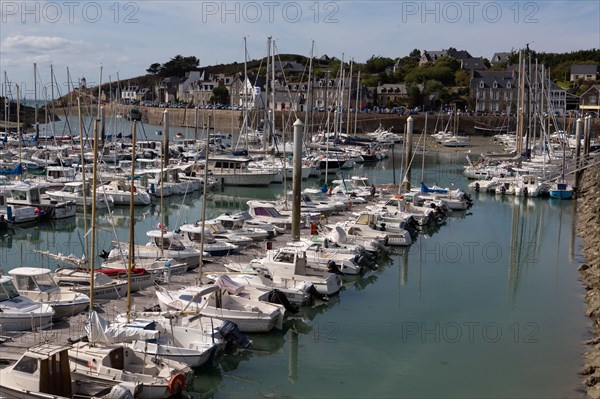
(121, 39)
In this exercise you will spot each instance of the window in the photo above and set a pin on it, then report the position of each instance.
(27, 365)
(8, 291)
(495, 85)
(481, 84)
(508, 85)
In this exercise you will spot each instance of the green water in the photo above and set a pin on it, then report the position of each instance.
(488, 306)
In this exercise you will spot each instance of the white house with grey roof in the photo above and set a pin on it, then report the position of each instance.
(583, 71)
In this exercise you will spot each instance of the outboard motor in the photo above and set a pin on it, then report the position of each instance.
(104, 254)
(364, 261)
(312, 291)
(278, 297)
(230, 332)
(333, 268)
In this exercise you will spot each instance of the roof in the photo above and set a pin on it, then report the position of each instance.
(160, 234)
(473, 64)
(501, 78)
(594, 88)
(500, 57)
(29, 271)
(584, 69)
(434, 55)
(46, 350)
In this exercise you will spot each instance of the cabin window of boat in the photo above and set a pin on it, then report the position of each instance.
(168, 243)
(261, 212)
(45, 282)
(194, 236)
(285, 257)
(8, 291)
(27, 365)
(25, 283)
(19, 195)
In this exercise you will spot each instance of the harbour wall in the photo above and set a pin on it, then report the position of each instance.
(231, 121)
(588, 226)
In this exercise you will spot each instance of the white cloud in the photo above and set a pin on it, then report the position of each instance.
(29, 44)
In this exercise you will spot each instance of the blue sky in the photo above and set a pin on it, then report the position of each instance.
(126, 37)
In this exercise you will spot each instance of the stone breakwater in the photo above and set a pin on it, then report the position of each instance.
(588, 228)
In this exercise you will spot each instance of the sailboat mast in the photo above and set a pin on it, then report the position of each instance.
(82, 164)
(309, 100)
(204, 191)
(19, 133)
(245, 98)
(37, 125)
(267, 124)
(93, 227)
(273, 105)
(131, 220)
(349, 98)
(165, 158)
(52, 98)
(358, 92)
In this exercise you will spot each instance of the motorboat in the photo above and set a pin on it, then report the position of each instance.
(162, 244)
(74, 191)
(18, 312)
(37, 284)
(43, 372)
(213, 301)
(157, 377)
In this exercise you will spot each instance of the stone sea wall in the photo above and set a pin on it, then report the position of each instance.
(588, 226)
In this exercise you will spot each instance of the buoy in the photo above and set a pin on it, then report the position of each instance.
(176, 383)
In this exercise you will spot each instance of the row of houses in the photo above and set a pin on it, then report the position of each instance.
(489, 90)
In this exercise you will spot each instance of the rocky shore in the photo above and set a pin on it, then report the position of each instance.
(588, 228)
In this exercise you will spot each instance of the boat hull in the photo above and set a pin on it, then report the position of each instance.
(561, 194)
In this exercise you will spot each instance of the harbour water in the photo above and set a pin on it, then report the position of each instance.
(488, 306)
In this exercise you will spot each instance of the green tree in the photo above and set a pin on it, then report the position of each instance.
(378, 64)
(220, 95)
(154, 69)
(461, 78)
(179, 65)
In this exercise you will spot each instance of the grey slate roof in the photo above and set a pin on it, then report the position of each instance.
(583, 69)
(502, 78)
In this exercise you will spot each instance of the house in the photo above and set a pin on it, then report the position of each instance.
(585, 72)
(328, 93)
(494, 91)
(590, 100)
(432, 56)
(183, 90)
(501, 58)
(556, 97)
(249, 91)
(472, 64)
(392, 93)
(497, 91)
(134, 93)
(167, 89)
